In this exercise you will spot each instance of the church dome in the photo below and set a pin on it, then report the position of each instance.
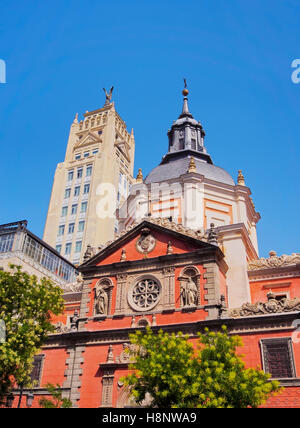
(176, 167)
(186, 140)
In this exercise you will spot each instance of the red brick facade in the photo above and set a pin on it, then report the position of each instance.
(86, 356)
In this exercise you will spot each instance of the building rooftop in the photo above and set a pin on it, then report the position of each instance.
(16, 239)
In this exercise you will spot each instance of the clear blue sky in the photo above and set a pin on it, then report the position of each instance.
(235, 54)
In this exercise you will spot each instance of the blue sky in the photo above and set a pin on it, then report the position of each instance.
(235, 54)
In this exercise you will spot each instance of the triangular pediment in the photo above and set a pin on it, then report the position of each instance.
(88, 139)
(151, 239)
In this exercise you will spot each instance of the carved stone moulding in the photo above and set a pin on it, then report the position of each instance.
(146, 242)
(272, 306)
(274, 261)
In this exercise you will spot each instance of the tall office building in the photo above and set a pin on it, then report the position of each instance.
(94, 178)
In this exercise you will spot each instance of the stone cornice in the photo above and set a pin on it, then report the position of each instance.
(201, 256)
(264, 274)
(253, 324)
(100, 110)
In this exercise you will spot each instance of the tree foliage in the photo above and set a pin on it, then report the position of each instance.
(26, 305)
(176, 375)
(56, 401)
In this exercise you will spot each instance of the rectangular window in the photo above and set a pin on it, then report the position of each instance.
(95, 151)
(278, 359)
(77, 191)
(64, 211)
(37, 367)
(83, 207)
(86, 154)
(71, 228)
(58, 248)
(78, 247)
(6, 242)
(86, 189)
(81, 226)
(61, 230)
(89, 171)
(77, 157)
(74, 209)
(79, 173)
(67, 193)
(68, 249)
(70, 175)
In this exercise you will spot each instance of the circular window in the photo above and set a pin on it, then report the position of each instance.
(144, 295)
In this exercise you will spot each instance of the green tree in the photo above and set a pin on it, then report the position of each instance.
(176, 375)
(56, 401)
(26, 305)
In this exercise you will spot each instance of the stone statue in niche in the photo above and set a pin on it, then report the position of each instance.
(101, 300)
(189, 293)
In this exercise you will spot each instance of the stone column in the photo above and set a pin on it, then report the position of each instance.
(169, 288)
(107, 387)
(121, 294)
(212, 285)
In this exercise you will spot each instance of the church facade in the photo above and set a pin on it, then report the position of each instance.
(185, 258)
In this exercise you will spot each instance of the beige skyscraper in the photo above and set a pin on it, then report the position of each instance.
(96, 174)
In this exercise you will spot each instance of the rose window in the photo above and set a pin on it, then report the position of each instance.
(144, 295)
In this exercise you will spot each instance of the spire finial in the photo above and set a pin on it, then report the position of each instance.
(185, 108)
(139, 177)
(185, 92)
(76, 118)
(240, 179)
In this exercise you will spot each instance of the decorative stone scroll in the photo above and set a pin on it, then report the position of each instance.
(125, 357)
(272, 306)
(200, 234)
(75, 286)
(274, 261)
(60, 327)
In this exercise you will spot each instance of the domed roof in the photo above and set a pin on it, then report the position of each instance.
(186, 140)
(176, 167)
